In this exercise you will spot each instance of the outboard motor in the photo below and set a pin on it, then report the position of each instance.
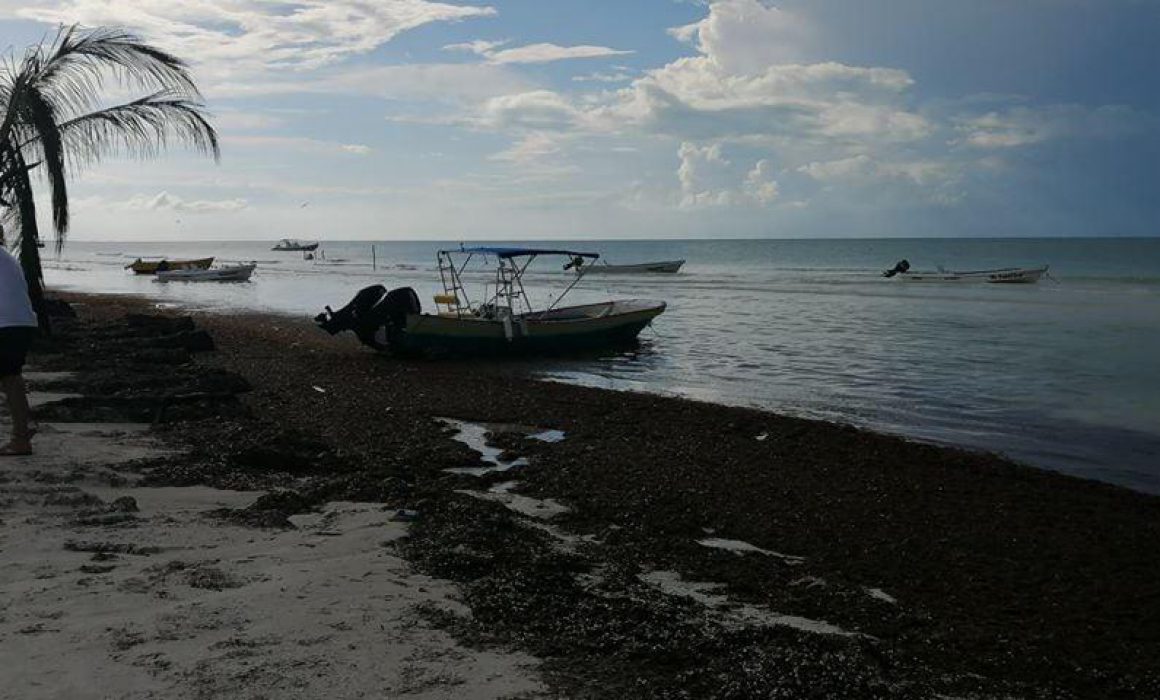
(374, 314)
(901, 267)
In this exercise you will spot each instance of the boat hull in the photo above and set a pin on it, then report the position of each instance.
(562, 331)
(238, 273)
(666, 267)
(1014, 275)
(142, 267)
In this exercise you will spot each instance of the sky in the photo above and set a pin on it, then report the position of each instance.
(569, 119)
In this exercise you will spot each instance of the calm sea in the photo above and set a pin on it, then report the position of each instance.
(1063, 374)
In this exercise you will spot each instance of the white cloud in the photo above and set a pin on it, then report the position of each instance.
(841, 168)
(1016, 126)
(537, 109)
(746, 36)
(532, 53)
(300, 144)
(532, 147)
(759, 183)
(236, 41)
(169, 202)
(700, 164)
(543, 53)
(598, 77)
(480, 46)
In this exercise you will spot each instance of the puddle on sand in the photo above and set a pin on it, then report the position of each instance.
(740, 547)
(671, 583)
(474, 435)
(524, 505)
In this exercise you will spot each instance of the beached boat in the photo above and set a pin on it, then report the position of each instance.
(1005, 275)
(228, 273)
(142, 267)
(665, 266)
(294, 244)
(501, 323)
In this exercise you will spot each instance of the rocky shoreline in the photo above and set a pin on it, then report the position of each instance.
(653, 546)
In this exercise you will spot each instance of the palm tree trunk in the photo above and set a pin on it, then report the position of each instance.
(29, 248)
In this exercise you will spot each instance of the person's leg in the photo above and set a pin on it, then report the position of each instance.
(15, 342)
(17, 400)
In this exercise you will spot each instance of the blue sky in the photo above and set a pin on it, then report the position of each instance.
(401, 119)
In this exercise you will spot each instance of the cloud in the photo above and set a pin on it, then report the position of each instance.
(618, 77)
(299, 144)
(480, 46)
(532, 53)
(532, 147)
(234, 41)
(163, 201)
(746, 36)
(537, 109)
(759, 183)
(1016, 126)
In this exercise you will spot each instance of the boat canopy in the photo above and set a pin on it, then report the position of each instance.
(509, 252)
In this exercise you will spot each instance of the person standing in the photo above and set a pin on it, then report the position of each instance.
(17, 328)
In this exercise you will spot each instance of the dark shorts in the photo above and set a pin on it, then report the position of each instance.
(14, 342)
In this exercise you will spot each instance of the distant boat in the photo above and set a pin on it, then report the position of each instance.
(664, 266)
(230, 273)
(294, 244)
(142, 267)
(1003, 275)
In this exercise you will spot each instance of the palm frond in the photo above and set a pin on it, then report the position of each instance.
(75, 66)
(39, 118)
(141, 129)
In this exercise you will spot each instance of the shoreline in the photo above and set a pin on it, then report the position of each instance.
(852, 559)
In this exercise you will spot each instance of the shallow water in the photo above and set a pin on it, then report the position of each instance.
(1061, 374)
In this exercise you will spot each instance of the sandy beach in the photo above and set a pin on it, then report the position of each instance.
(242, 506)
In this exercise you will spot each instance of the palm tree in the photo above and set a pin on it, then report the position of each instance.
(55, 120)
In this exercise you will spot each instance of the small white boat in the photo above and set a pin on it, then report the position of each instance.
(230, 273)
(295, 244)
(664, 266)
(1003, 275)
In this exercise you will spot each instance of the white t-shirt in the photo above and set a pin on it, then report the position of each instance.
(15, 308)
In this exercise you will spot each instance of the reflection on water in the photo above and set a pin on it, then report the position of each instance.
(1061, 374)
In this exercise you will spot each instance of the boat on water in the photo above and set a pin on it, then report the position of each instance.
(152, 267)
(664, 266)
(1004, 275)
(502, 321)
(295, 244)
(226, 273)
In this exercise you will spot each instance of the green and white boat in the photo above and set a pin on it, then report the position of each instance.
(501, 321)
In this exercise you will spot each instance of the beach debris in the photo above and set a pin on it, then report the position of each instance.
(111, 548)
(318, 389)
(404, 515)
(546, 508)
(762, 437)
(550, 436)
(739, 547)
(879, 594)
(732, 613)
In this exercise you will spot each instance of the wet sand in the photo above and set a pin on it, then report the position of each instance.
(663, 547)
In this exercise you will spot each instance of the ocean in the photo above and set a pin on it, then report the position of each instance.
(1063, 374)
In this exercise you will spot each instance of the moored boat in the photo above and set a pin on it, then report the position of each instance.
(152, 267)
(295, 244)
(502, 323)
(227, 273)
(1004, 275)
(664, 266)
